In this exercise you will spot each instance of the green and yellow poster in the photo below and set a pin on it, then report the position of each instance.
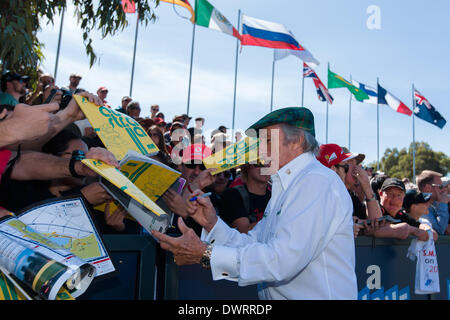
(118, 132)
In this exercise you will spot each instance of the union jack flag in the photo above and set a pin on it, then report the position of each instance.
(425, 111)
(322, 91)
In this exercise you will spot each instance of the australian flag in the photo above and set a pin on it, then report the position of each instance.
(322, 91)
(425, 111)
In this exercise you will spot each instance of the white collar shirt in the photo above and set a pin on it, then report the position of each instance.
(303, 247)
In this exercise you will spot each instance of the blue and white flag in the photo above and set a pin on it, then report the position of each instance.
(371, 92)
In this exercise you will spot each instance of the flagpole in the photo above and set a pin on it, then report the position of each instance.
(134, 54)
(378, 130)
(326, 129)
(190, 69)
(273, 73)
(303, 84)
(414, 135)
(59, 44)
(350, 118)
(236, 67)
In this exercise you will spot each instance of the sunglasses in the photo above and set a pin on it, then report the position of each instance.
(345, 166)
(440, 186)
(194, 166)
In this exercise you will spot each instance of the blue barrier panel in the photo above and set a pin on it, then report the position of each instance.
(147, 272)
(134, 257)
(382, 268)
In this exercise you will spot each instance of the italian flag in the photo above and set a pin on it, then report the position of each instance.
(208, 16)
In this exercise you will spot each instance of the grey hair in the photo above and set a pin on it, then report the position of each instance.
(293, 134)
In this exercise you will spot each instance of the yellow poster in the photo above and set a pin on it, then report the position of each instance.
(118, 132)
(242, 152)
(150, 178)
(114, 176)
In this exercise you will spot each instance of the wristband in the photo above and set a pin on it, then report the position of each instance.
(371, 199)
(77, 155)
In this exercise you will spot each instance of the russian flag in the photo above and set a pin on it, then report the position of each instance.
(256, 32)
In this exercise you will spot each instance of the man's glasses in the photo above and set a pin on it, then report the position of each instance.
(394, 195)
(194, 166)
(440, 186)
(345, 166)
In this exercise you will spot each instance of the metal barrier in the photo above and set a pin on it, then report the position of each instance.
(147, 272)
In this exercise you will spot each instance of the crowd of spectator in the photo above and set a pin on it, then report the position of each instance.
(42, 130)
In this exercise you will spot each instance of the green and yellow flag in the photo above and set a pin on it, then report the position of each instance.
(336, 81)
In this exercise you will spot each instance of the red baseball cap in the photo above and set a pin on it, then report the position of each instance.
(331, 154)
(159, 121)
(196, 152)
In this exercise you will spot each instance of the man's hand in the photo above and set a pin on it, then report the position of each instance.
(187, 249)
(73, 110)
(175, 202)
(95, 194)
(57, 97)
(202, 211)
(97, 154)
(4, 213)
(363, 179)
(204, 179)
(27, 123)
(442, 196)
(116, 218)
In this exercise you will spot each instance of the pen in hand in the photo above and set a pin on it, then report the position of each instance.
(201, 196)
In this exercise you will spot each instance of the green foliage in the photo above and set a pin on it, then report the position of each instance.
(20, 21)
(399, 164)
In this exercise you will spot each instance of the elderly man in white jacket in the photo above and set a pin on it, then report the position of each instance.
(303, 248)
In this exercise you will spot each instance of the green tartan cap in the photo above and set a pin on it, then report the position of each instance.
(299, 117)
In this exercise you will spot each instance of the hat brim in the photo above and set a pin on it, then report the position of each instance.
(359, 157)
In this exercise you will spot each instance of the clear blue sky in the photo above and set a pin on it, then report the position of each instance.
(412, 46)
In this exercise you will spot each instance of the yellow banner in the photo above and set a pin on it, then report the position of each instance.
(118, 132)
(151, 179)
(114, 176)
(235, 155)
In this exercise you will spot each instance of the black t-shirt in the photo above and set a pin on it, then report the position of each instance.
(232, 205)
(359, 209)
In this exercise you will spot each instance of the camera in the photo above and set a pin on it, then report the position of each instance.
(65, 99)
(66, 96)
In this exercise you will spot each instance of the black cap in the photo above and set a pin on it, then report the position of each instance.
(10, 76)
(414, 196)
(393, 182)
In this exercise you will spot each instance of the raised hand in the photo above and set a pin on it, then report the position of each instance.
(187, 249)
(201, 210)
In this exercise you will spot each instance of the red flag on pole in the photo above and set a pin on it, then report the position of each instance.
(128, 6)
